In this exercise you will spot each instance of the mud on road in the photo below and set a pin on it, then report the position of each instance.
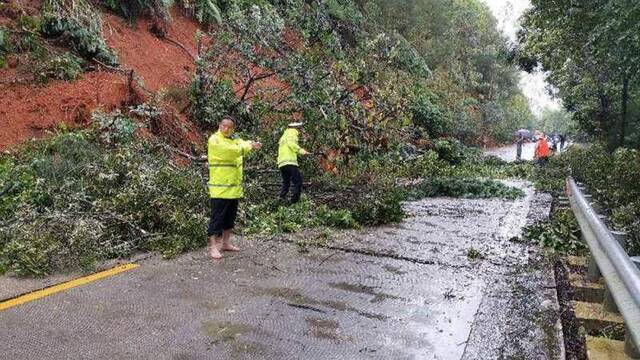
(450, 282)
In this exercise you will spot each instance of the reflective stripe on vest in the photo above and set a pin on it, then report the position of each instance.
(287, 162)
(223, 165)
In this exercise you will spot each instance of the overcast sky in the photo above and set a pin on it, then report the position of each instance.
(533, 85)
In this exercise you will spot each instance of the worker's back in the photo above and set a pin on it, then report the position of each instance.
(542, 148)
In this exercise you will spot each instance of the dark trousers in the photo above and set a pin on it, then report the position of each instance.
(542, 161)
(291, 174)
(223, 215)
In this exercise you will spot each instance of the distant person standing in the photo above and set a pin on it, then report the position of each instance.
(563, 140)
(542, 152)
(519, 142)
(553, 143)
(225, 156)
(288, 152)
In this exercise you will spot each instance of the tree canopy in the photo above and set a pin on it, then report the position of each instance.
(591, 51)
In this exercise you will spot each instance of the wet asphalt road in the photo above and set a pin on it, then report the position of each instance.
(447, 283)
(508, 153)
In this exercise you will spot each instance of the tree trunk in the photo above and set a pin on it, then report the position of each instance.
(623, 115)
(604, 120)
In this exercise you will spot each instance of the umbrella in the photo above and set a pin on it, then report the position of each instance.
(524, 133)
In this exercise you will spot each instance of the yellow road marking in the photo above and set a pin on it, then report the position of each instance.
(4, 305)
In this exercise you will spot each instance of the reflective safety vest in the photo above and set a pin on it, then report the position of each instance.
(225, 166)
(289, 149)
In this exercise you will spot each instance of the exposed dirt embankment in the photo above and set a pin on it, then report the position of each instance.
(26, 109)
(159, 63)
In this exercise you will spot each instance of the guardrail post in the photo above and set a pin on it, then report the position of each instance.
(604, 219)
(593, 271)
(563, 202)
(608, 303)
(621, 238)
(629, 347)
(622, 275)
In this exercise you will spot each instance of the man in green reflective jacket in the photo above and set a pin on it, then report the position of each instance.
(225, 156)
(288, 152)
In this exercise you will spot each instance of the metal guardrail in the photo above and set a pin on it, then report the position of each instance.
(622, 277)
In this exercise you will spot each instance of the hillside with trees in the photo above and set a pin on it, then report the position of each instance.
(123, 95)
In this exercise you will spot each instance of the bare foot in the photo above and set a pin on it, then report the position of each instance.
(215, 253)
(230, 247)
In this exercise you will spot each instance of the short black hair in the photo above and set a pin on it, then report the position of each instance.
(230, 117)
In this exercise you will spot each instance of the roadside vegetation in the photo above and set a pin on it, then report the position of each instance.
(590, 54)
(391, 100)
(81, 197)
(612, 179)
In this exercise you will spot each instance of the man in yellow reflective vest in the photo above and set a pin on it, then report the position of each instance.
(288, 152)
(225, 156)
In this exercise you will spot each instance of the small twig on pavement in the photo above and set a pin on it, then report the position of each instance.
(327, 258)
(306, 307)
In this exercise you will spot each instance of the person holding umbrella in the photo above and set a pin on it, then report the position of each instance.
(521, 135)
(288, 152)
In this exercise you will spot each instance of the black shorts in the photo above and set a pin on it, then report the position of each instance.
(223, 215)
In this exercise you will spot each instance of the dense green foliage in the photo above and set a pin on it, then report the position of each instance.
(612, 179)
(133, 9)
(80, 23)
(72, 201)
(561, 233)
(64, 67)
(591, 51)
(4, 45)
(364, 83)
(205, 11)
(468, 58)
(24, 38)
(40, 40)
(557, 121)
(79, 198)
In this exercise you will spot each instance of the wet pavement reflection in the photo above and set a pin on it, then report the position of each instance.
(450, 282)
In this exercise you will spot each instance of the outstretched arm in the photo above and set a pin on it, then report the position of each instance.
(229, 151)
(293, 145)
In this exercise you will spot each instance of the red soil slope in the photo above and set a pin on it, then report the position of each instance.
(26, 110)
(160, 63)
